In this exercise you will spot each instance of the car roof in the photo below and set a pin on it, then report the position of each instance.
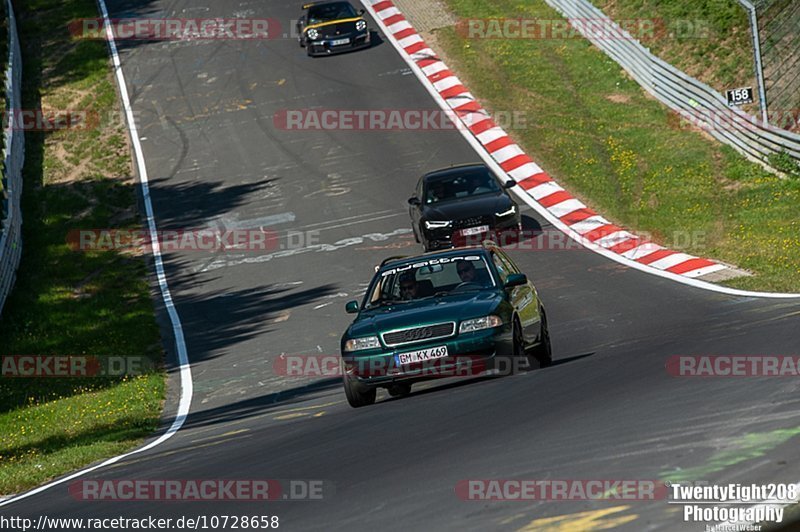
(325, 2)
(456, 170)
(453, 252)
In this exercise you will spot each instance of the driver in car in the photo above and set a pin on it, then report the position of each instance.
(408, 287)
(468, 274)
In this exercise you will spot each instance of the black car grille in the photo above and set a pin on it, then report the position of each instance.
(472, 221)
(419, 334)
(337, 30)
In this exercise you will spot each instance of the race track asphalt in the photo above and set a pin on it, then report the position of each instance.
(607, 409)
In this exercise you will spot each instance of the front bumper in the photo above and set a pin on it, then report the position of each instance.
(326, 46)
(469, 355)
(448, 237)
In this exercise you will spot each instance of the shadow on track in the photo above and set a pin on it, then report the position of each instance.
(259, 405)
(453, 384)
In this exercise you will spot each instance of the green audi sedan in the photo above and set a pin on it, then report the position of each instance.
(460, 312)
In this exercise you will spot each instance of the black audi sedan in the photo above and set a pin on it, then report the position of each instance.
(462, 205)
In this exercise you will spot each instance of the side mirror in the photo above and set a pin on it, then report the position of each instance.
(413, 201)
(516, 279)
(510, 183)
(351, 307)
(362, 11)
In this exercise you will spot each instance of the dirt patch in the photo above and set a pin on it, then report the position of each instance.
(619, 98)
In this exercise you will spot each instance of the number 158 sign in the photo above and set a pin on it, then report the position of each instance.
(740, 96)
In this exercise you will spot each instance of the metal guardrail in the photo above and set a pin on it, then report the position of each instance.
(693, 100)
(13, 158)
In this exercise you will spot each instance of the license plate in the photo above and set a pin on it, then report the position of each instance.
(475, 230)
(422, 355)
(337, 42)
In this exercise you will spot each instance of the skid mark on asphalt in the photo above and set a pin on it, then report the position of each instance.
(603, 519)
(298, 415)
(234, 260)
(225, 435)
(741, 449)
(182, 450)
(332, 297)
(341, 222)
(686, 438)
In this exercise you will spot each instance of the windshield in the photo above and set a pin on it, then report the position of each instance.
(332, 11)
(428, 278)
(471, 183)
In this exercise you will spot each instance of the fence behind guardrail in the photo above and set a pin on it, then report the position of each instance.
(684, 94)
(13, 158)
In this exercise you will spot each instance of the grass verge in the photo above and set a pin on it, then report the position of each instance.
(708, 39)
(66, 302)
(598, 133)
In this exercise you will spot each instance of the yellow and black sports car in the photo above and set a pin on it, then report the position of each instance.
(332, 27)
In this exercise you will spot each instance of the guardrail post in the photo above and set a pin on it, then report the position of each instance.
(762, 93)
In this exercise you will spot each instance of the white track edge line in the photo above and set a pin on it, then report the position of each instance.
(483, 154)
(183, 359)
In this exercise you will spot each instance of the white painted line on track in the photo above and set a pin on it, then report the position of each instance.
(183, 358)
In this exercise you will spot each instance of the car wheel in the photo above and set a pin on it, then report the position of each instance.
(399, 390)
(541, 356)
(510, 363)
(356, 397)
(517, 349)
(414, 230)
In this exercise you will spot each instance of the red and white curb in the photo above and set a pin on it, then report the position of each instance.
(582, 222)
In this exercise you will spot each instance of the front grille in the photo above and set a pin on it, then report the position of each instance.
(472, 221)
(419, 334)
(337, 30)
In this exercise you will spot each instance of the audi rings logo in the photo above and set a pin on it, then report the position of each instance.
(418, 334)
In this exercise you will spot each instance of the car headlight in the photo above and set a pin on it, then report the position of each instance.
(509, 212)
(437, 225)
(361, 25)
(312, 34)
(478, 324)
(357, 344)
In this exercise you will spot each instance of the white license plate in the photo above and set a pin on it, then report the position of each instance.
(337, 42)
(475, 230)
(422, 355)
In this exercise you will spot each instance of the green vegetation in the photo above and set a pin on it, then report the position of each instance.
(708, 39)
(785, 163)
(598, 133)
(65, 302)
